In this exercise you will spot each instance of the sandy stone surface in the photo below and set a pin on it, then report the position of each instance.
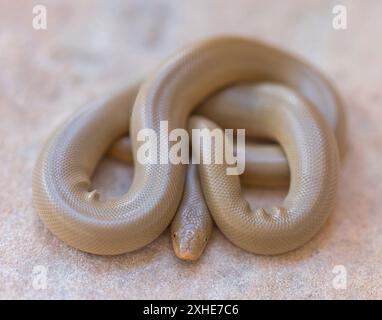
(91, 47)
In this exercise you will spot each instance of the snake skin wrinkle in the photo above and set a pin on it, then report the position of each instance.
(224, 82)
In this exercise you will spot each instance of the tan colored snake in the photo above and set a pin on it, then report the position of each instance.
(302, 113)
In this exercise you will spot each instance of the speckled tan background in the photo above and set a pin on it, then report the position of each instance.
(91, 47)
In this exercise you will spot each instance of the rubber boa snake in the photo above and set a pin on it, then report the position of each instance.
(296, 106)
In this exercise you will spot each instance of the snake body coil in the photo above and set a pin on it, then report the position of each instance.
(302, 113)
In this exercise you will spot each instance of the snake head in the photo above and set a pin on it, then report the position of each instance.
(189, 242)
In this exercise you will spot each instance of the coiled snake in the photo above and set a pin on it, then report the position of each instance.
(268, 92)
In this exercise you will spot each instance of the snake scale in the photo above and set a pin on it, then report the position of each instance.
(223, 82)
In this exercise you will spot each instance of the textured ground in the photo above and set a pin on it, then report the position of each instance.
(91, 47)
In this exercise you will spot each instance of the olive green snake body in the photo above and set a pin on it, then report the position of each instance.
(236, 82)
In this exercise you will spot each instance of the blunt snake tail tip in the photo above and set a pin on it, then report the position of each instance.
(228, 82)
